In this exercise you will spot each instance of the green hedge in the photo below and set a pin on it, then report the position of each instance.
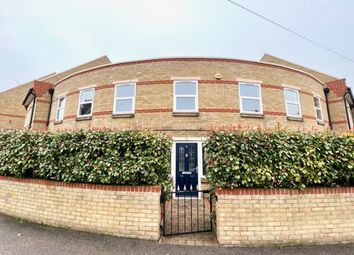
(106, 157)
(279, 159)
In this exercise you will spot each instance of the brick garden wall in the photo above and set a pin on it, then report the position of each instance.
(124, 211)
(254, 217)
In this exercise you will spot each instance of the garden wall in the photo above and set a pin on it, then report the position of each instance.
(255, 217)
(124, 211)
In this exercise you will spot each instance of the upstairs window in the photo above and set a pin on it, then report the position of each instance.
(124, 99)
(60, 108)
(318, 108)
(185, 96)
(292, 103)
(250, 98)
(86, 102)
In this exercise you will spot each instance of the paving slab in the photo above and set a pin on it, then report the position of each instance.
(196, 239)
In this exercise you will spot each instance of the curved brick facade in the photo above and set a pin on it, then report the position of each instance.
(218, 100)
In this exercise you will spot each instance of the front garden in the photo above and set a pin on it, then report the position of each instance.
(102, 157)
(279, 159)
(234, 159)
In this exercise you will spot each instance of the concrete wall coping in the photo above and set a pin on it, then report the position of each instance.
(259, 191)
(127, 188)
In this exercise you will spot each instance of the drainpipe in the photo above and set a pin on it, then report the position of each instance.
(51, 92)
(326, 91)
(32, 113)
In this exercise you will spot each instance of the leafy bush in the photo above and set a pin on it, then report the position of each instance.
(126, 157)
(279, 159)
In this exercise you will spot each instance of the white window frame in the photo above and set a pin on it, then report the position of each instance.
(63, 108)
(293, 102)
(196, 108)
(115, 99)
(79, 103)
(318, 108)
(248, 97)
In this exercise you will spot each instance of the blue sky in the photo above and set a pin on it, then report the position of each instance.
(39, 37)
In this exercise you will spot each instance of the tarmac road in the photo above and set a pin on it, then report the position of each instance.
(23, 238)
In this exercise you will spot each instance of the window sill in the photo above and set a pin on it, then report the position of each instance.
(83, 118)
(295, 119)
(185, 114)
(252, 115)
(319, 122)
(57, 122)
(123, 115)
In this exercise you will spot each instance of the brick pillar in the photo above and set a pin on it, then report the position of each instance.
(42, 105)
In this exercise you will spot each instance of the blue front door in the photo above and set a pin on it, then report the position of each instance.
(187, 167)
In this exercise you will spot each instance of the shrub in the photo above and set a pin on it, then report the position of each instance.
(106, 157)
(279, 159)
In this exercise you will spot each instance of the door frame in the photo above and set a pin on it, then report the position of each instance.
(199, 142)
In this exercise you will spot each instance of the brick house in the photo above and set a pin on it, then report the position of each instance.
(183, 97)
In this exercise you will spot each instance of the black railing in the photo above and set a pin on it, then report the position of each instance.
(187, 212)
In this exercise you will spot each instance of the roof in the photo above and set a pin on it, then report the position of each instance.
(41, 85)
(190, 59)
(320, 75)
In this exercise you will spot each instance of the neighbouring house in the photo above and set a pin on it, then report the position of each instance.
(183, 97)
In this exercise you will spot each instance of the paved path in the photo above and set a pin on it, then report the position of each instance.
(32, 239)
(187, 215)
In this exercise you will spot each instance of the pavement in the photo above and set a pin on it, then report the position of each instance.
(23, 238)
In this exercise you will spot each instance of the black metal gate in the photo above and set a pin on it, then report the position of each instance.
(184, 212)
